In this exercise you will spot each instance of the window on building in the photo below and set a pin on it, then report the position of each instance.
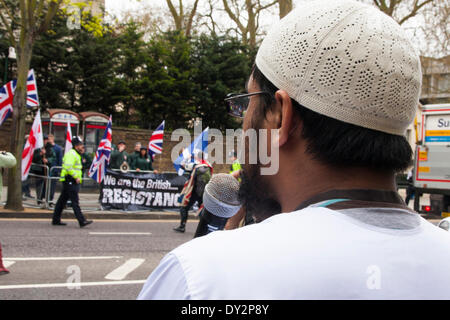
(443, 81)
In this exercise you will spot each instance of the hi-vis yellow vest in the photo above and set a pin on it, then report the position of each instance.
(72, 165)
(236, 166)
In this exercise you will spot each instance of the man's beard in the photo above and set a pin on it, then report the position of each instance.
(254, 195)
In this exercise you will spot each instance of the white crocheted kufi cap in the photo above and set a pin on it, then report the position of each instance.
(346, 60)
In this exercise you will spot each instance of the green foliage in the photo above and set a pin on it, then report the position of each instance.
(221, 66)
(169, 77)
(167, 85)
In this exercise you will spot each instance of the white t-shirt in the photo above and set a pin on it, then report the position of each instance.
(314, 253)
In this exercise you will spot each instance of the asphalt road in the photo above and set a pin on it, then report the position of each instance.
(110, 259)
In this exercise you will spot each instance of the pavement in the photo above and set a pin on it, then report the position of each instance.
(92, 210)
(90, 207)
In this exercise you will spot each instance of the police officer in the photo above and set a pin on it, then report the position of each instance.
(236, 165)
(71, 175)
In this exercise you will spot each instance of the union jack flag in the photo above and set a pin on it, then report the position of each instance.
(6, 100)
(32, 93)
(7, 96)
(156, 141)
(97, 170)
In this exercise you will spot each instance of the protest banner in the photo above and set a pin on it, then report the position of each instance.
(140, 191)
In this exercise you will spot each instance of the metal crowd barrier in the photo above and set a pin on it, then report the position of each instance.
(50, 184)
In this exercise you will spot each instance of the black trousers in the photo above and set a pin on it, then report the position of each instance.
(41, 184)
(70, 191)
(184, 210)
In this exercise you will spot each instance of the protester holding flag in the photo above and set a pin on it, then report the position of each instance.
(194, 188)
(71, 176)
(39, 167)
(188, 155)
(119, 156)
(98, 167)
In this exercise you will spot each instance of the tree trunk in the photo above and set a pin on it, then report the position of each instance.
(24, 52)
(251, 25)
(285, 7)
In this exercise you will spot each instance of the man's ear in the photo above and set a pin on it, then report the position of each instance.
(286, 113)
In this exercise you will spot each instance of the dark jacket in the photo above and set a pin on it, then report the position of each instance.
(50, 154)
(117, 158)
(201, 179)
(133, 158)
(37, 164)
(143, 163)
(58, 155)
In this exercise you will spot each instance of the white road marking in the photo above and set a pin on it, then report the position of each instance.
(8, 264)
(60, 258)
(122, 233)
(121, 272)
(69, 285)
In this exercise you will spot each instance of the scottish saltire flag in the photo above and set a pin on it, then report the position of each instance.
(200, 144)
(68, 145)
(156, 141)
(6, 100)
(35, 141)
(97, 170)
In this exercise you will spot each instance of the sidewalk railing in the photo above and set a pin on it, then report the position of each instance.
(47, 184)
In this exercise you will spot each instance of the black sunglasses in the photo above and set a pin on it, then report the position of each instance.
(238, 102)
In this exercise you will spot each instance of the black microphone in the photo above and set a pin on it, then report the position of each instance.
(220, 202)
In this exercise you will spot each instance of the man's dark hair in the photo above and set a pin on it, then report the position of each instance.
(342, 144)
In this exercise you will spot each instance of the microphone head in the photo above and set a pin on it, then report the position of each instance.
(221, 195)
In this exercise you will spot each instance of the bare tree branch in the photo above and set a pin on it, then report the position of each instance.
(415, 10)
(259, 9)
(175, 15)
(232, 15)
(191, 18)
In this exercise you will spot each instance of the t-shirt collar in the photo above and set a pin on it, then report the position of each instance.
(366, 195)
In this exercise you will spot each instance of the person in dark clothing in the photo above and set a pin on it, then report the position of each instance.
(119, 156)
(86, 160)
(135, 155)
(49, 153)
(71, 177)
(195, 186)
(39, 168)
(57, 162)
(143, 162)
(410, 190)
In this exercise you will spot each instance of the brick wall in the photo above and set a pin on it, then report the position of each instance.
(162, 162)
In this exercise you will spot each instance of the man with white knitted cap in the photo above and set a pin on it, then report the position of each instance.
(339, 82)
